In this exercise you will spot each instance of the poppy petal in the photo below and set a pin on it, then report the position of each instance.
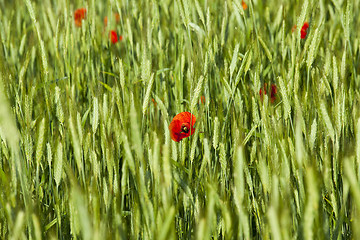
(305, 26)
(113, 37)
(79, 15)
(273, 93)
(303, 30)
(303, 34)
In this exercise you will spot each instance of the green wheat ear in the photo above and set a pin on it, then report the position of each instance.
(86, 154)
(58, 165)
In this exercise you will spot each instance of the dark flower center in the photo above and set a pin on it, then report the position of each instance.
(184, 128)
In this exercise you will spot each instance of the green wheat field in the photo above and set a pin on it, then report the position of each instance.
(85, 146)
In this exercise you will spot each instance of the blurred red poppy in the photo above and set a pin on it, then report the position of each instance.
(273, 92)
(182, 126)
(113, 36)
(293, 28)
(244, 5)
(79, 15)
(303, 30)
(262, 91)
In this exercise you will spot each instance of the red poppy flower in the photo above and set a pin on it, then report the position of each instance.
(244, 5)
(293, 28)
(273, 93)
(113, 36)
(79, 15)
(182, 126)
(305, 26)
(262, 91)
(303, 30)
